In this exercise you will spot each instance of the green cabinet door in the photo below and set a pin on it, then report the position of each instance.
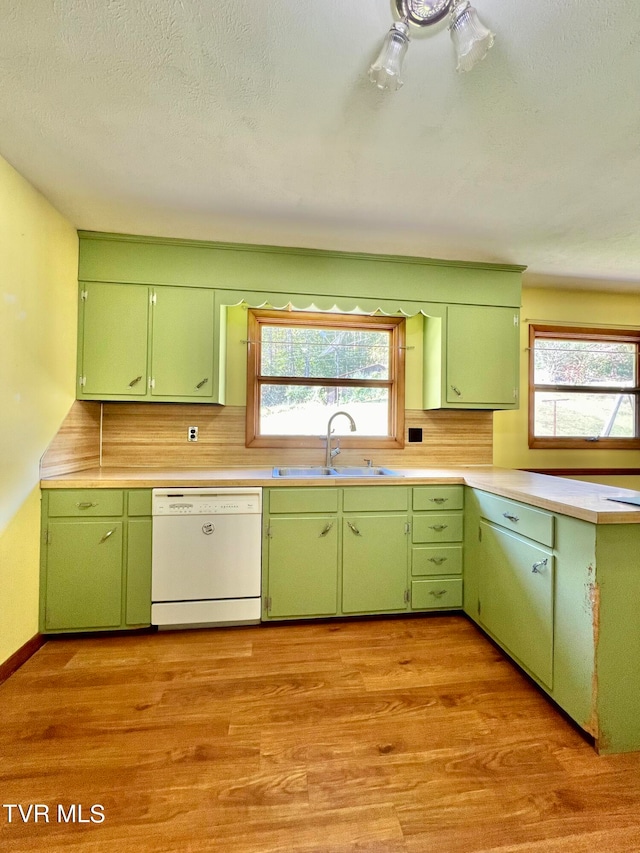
(113, 356)
(83, 575)
(374, 563)
(138, 591)
(516, 584)
(302, 574)
(482, 355)
(182, 342)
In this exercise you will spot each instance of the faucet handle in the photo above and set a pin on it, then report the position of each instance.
(369, 463)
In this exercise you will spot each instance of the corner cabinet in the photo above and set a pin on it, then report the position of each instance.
(358, 550)
(95, 560)
(143, 343)
(472, 357)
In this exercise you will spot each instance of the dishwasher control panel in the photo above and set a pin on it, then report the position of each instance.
(206, 501)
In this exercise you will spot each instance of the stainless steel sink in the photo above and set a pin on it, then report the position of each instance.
(310, 472)
(365, 471)
(304, 472)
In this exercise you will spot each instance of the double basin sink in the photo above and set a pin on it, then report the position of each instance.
(311, 472)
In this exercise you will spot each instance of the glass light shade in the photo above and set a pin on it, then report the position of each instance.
(386, 71)
(470, 37)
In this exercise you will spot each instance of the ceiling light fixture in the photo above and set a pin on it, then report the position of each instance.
(471, 39)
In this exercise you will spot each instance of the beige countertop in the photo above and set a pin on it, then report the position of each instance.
(588, 501)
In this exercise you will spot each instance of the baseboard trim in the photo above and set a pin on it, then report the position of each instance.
(21, 656)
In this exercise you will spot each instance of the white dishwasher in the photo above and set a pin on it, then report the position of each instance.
(206, 557)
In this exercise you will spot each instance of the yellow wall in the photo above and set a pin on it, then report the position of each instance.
(573, 307)
(38, 316)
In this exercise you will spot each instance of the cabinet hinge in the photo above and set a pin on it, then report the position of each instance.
(479, 534)
(515, 393)
(83, 295)
(407, 527)
(153, 297)
(82, 381)
(152, 382)
(268, 533)
(406, 596)
(516, 320)
(47, 537)
(267, 603)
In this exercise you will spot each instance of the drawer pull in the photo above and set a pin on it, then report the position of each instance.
(438, 500)
(85, 504)
(438, 527)
(437, 560)
(353, 528)
(437, 593)
(327, 529)
(135, 381)
(535, 568)
(456, 391)
(508, 515)
(107, 535)
(203, 382)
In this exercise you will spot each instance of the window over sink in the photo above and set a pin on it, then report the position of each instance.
(584, 388)
(303, 367)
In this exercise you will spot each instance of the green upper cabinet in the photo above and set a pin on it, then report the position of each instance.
(472, 358)
(114, 341)
(149, 343)
(182, 351)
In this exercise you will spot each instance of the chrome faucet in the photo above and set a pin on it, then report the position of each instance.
(331, 453)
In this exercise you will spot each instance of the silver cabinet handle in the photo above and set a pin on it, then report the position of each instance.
(353, 528)
(437, 560)
(327, 529)
(438, 500)
(456, 391)
(513, 518)
(107, 535)
(438, 527)
(135, 381)
(85, 504)
(202, 382)
(438, 593)
(535, 568)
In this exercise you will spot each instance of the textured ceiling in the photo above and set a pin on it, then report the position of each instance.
(254, 122)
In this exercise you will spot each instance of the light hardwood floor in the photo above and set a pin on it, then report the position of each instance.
(382, 736)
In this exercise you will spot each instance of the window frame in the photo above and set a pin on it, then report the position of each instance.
(257, 318)
(537, 332)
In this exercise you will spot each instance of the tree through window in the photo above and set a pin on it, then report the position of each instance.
(303, 367)
(583, 388)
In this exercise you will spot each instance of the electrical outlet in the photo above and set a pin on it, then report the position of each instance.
(192, 434)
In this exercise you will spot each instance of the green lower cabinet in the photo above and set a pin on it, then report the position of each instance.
(95, 571)
(374, 563)
(516, 592)
(302, 576)
(138, 587)
(84, 575)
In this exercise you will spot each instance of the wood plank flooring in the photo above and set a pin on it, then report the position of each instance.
(376, 736)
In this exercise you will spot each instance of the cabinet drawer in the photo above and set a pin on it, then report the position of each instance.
(437, 527)
(436, 560)
(438, 497)
(436, 593)
(92, 502)
(303, 500)
(376, 499)
(139, 502)
(533, 523)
